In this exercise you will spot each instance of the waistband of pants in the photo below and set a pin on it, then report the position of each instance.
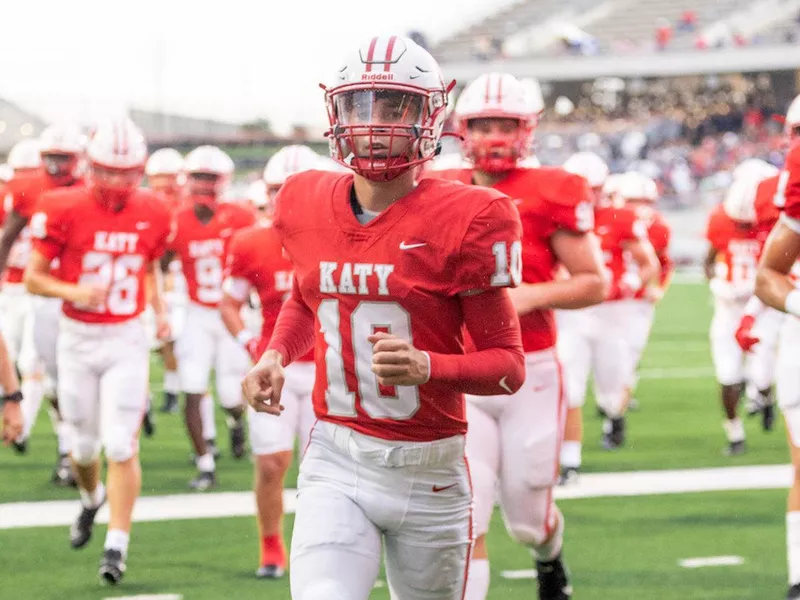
(98, 329)
(369, 450)
(14, 289)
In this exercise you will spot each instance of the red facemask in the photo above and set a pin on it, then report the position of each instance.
(496, 152)
(114, 187)
(60, 168)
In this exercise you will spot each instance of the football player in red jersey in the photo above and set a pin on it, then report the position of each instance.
(388, 274)
(734, 248)
(165, 176)
(777, 287)
(256, 262)
(202, 232)
(108, 237)
(640, 193)
(514, 441)
(53, 161)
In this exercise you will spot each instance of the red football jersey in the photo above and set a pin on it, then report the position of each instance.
(787, 196)
(21, 197)
(403, 273)
(616, 225)
(767, 214)
(738, 247)
(659, 234)
(548, 199)
(99, 247)
(202, 248)
(255, 258)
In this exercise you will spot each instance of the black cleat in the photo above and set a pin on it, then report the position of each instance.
(62, 473)
(148, 422)
(794, 592)
(569, 475)
(81, 531)
(20, 447)
(112, 567)
(270, 572)
(205, 480)
(553, 580)
(735, 448)
(768, 417)
(170, 405)
(237, 439)
(601, 413)
(613, 433)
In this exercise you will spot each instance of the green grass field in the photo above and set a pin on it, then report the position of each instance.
(617, 548)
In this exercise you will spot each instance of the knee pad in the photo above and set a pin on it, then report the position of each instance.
(85, 448)
(536, 525)
(119, 446)
(326, 589)
(229, 390)
(610, 403)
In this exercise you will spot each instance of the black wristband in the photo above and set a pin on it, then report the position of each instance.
(15, 397)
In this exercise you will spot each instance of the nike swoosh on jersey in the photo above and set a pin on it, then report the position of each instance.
(504, 385)
(404, 246)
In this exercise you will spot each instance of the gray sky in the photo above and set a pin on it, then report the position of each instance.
(243, 59)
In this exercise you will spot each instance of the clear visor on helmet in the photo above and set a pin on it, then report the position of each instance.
(379, 107)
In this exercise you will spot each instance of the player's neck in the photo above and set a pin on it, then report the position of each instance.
(488, 179)
(203, 212)
(377, 196)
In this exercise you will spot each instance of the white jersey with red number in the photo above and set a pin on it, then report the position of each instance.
(99, 247)
(202, 248)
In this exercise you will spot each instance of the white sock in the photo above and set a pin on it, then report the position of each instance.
(172, 383)
(571, 454)
(207, 415)
(205, 463)
(734, 429)
(116, 539)
(477, 579)
(552, 548)
(793, 546)
(32, 394)
(95, 498)
(64, 439)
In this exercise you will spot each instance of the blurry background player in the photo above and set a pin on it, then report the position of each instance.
(108, 237)
(165, 176)
(201, 234)
(640, 192)
(776, 287)
(731, 270)
(514, 441)
(10, 398)
(256, 262)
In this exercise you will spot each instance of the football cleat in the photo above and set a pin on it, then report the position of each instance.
(81, 531)
(270, 572)
(237, 439)
(613, 433)
(112, 567)
(768, 417)
(568, 476)
(794, 592)
(62, 473)
(20, 446)
(148, 422)
(553, 580)
(735, 448)
(205, 480)
(170, 404)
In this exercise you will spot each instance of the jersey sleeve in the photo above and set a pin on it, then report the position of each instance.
(571, 207)
(629, 227)
(49, 229)
(23, 195)
(788, 192)
(715, 233)
(490, 255)
(237, 280)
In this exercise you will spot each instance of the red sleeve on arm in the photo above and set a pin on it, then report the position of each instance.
(293, 335)
(498, 364)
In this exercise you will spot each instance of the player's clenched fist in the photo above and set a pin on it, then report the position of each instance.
(91, 296)
(263, 384)
(396, 362)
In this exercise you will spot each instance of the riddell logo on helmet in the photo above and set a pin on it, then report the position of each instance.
(377, 76)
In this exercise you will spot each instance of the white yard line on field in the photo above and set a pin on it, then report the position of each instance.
(242, 504)
(148, 597)
(711, 561)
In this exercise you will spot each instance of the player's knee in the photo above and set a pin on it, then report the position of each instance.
(272, 467)
(229, 389)
(119, 447)
(325, 589)
(85, 448)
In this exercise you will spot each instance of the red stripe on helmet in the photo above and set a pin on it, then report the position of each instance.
(371, 53)
(499, 89)
(387, 64)
(486, 92)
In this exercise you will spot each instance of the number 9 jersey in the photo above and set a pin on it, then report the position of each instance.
(400, 273)
(98, 247)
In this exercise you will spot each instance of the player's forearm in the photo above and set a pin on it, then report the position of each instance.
(14, 225)
(155, 289)
(230, 309)
(483, 373)
(773, 288)
(708, 264)
(293, 335)
(8, 375)
(579, 291)
(44, 284)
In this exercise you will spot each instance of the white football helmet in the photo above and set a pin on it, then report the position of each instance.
(635, 186)
(24, 155)
(257, 194)
(288, 161)
(208, 172)
(793, 116)
(117, 144)
(499, 96)
(754, 167)
(64, 138)
(6, 173)
(611, 187)
(451, 160)
(165, 161)
(386, 107)
(589, 166)
(740, 199)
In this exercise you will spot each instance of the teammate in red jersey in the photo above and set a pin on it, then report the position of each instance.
(510, 435)
(640, 193)
(776, 287)
(388, 274)
(256, 262)
(108, 237)
(202, 232)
